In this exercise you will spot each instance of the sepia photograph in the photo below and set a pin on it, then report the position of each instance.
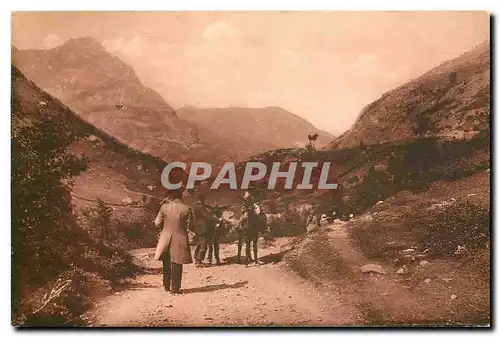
(250, 169)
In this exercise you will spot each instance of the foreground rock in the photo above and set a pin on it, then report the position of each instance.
(372, 268)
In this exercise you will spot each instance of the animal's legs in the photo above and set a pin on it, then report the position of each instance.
(210, 250)
(247, 250)
(216, 249)
(240, 244)
(255, 249)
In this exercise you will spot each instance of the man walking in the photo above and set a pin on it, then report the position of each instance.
(173, 243)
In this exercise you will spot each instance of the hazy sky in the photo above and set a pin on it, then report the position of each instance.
(323, 66)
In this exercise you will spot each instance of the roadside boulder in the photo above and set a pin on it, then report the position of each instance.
(372, 268)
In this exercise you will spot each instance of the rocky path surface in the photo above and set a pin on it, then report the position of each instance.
(226, 295)
(324, 280)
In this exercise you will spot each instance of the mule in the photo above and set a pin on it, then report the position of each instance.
(251, 224)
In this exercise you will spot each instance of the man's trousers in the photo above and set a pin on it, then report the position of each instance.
(172, 273)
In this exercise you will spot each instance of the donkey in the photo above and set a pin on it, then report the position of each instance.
(252, 222)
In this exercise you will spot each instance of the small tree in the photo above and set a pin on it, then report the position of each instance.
(310, 149)
(103, 217)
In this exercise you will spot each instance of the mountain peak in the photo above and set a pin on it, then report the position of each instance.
(105, 91)
(83, 43)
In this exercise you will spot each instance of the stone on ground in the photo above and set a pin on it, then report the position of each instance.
(372, 268)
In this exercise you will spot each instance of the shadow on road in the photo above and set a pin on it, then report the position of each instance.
(137, 286)
(234, 260)
(214, 287)
(270, 258)
(273, 258)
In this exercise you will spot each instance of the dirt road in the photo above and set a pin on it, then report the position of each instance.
(227, 295)
(330, 291)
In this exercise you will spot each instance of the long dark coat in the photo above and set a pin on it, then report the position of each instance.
(176, 218)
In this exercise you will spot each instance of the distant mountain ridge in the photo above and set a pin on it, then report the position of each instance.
(252, 130)
(450, 100)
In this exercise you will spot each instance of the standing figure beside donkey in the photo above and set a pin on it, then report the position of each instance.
(252, 223)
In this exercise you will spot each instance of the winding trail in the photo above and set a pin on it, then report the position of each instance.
(326, 289)
(226, 295)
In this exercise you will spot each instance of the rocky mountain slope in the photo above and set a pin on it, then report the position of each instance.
(253, 130)
(106, 92)
(117, 174)
(452, 101)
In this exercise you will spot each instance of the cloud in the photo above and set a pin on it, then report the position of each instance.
(134, 47)
(220, 45)
(51, 41)
(219, 32)
(113, 44)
